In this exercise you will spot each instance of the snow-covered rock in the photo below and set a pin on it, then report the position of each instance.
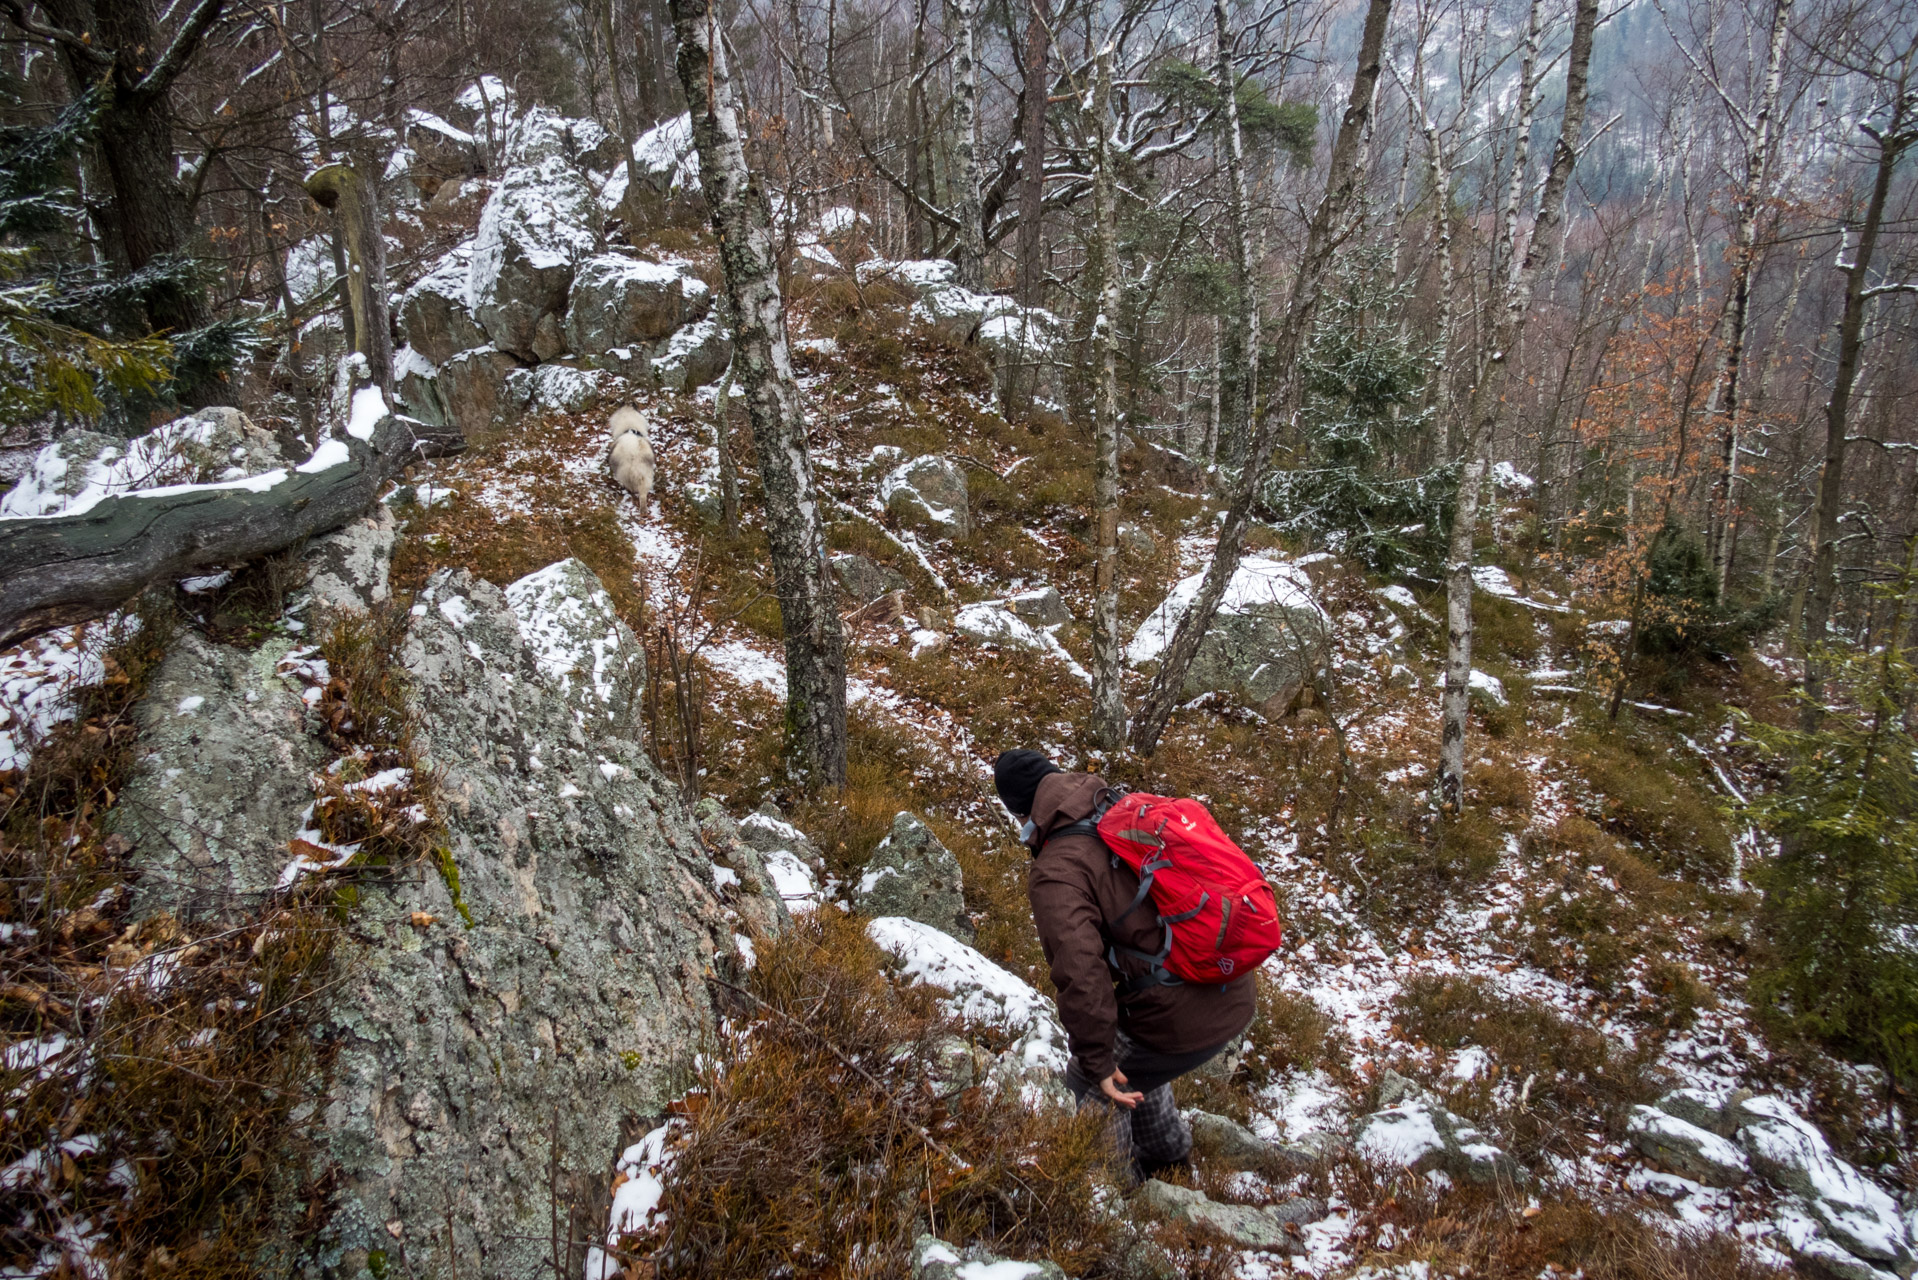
(1687, 1149)
(929, 493)
(791, 861)
(1696, 1106)
(1486, 690)
(579, 643)
(934, 1259)
(991, 624)
(348, 568)
(541, 221)
(1856, 1212)
(83, 468)
(694, 356)
(746, 884)
(563, 388)
(1137, 541)
(617, 301)
(1268, 637)
(436, 314)
(440, 149)
(1228, 1140)
(1413, 1130)
(911, 874)
(1041, 607)
(662, 181)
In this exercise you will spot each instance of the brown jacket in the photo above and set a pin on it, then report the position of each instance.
(1078, 892)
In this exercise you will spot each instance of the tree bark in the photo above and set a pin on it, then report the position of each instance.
(965, 120)
(1108, 688)
(1893, 142)
(66, 569)
(1487, 403)
(1323, 235)
(1751, 202)
(1032, 161)
(1239, 371)
(815, 654)
(356, 203)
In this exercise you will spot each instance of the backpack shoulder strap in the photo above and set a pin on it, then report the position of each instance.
(1088, 826)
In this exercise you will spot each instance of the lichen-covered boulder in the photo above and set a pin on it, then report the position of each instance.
(1413, 1130)
(1856, 1212)
(745, 882)
(83, 467)
(540, 222)
(221, 781)
(1245, 1226)
(929, 493)
(584, 650)
(694, 356)
(618, 301)
(561, 387)
(348, 568)
(912, 874)
(481, 1072)
(1268, 637)
(1041, 607)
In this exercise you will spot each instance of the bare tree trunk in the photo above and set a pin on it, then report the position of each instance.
(965, 119)
(1898, 136)
(1032, 161)
(1487, 403)
(1243, 373)
(815, 654)
(1751, 202)
(355, 203)
(1344, 174)
(1108, 689)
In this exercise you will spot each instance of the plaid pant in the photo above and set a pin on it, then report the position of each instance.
(1152, 1133)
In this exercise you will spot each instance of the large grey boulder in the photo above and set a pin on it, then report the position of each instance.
(929, 493)
(618, 301)
(661, 184)
(912, 874)
(1695, 1106)
(1687, 1149)
(934, 1259)
(1267, 639)
(694, 356)
(562, 388)
(472, 388)
(540, 222)
(791, 862)
(587, 654)
(436, 316)
(1245, 1226)
(1230, 1141)
(1041, 607)
(986, 623)
(441, 150)
(480, 1072)
(59, 472)
(222, 779)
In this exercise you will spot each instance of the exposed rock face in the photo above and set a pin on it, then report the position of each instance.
(1856, 1212)
(1268, 637)
(1232, 1142)
(694, 356)
(1243, 1225)
(662, 182)
(929, 493)
(622, 302)
(440, 149)
(1687, 1149)
(465, 1054)
(223, 779)
(348, 568)
(863, 580)
(1042, 608)
(911, 874)
(990, 624)
(472, 387)
(1137, 542)
(745, 882)
(1413, 1131)
(555, 386)
(586, 653)
(540, 222)
(435, 315)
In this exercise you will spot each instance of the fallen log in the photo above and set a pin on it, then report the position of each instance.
(67, 568)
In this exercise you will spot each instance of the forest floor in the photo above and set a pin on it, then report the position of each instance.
(1578, 943)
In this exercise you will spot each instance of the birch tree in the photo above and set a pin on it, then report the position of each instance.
(1326, 231)
(1108, 692)
(815, 651)
(1487, 402)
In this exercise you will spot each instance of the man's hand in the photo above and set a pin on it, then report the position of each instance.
(1125, 1098)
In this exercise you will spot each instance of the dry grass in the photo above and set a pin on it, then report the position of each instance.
(822, 1139)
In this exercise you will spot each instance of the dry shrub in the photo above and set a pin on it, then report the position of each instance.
(157, 1075)
(817, 1143)
(1470, 1231)
(1575, 1073)
(1653, 798)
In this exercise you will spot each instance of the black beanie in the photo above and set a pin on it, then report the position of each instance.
(1017, 774)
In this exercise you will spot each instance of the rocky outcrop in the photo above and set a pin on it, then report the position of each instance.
(1041, 607)
(1226, 1139)
(347, 569)
(934, 1259)
(541, 221)
(619, 301)
(1247, 1227)
(83, 467)
(1268, 637)
(1687, 1149)
(864, 580)
(929, 493)
(694, 356)
(911, 874)
(472, 389)
(436, 316)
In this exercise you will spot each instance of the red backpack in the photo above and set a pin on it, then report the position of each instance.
(1220, 917)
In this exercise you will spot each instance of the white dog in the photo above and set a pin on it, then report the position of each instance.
(631, 457)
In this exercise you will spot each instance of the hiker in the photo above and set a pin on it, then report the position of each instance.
(1131, 1028)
